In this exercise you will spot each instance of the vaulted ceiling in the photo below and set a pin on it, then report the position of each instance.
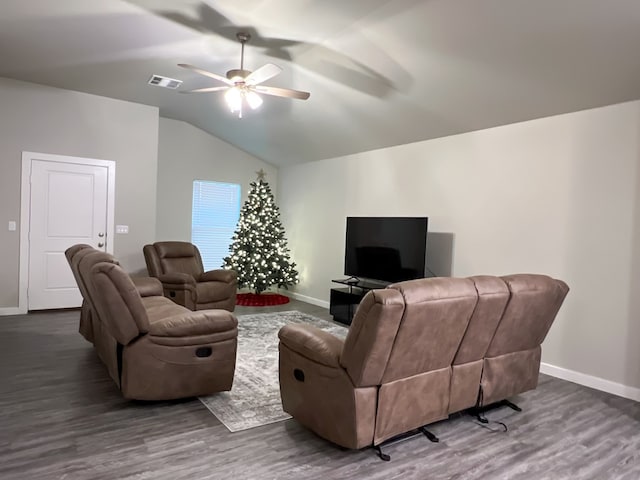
(380, 72)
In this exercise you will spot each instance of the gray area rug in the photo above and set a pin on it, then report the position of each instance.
(254, 399)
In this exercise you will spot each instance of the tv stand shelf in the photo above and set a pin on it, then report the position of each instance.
(344, 301)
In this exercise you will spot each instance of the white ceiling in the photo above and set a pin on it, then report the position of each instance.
(380, 72)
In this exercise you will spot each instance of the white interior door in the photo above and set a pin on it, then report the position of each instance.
(68, 206)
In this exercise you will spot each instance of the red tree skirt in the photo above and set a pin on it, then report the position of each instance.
(262, 300)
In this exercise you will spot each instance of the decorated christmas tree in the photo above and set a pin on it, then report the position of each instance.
(258, 251)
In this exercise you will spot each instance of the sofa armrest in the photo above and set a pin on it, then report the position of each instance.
(220, 275)
(177, 279)
(312, 343)
(147, 286)
(203, 322)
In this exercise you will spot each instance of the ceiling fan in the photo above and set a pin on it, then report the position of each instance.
(244, 85)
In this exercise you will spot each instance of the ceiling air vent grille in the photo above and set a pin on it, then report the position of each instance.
(165, 82)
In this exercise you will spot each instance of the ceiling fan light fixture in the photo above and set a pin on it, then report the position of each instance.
(233, 97)
(253, 99)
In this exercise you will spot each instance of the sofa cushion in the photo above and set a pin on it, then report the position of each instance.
(436, 314)
(493, 296)
(370, 339)
(532, 308)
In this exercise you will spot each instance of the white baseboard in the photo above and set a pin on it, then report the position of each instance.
(304, 298)
(10, 311)
(598, 383)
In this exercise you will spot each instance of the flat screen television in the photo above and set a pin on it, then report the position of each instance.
(387, 249)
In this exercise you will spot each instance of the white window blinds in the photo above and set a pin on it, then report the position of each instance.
(215, 213)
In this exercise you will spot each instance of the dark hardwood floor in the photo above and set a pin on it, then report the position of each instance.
(61, 417)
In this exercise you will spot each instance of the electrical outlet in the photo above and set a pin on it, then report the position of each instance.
(122, 228)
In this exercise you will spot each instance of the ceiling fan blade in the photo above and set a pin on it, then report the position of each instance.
(281, 92)
(263, 74)
(205, 90)
(215, 76)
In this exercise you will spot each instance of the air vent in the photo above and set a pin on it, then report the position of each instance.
(165, 82)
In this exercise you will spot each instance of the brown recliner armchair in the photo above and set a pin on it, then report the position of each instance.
(416, 352)
(153, 348)
(178, 265)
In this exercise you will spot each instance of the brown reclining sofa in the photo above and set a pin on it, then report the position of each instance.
(416, 352)
(153, 348)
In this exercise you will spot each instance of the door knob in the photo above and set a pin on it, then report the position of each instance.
(101, 234)
(100, 244)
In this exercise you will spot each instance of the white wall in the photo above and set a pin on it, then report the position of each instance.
(185, 154)
(49, 120)
(559, 196)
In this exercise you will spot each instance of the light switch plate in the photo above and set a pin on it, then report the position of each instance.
(122, 228)
(12, 226)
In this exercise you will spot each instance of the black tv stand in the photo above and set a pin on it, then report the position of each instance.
(344, 301)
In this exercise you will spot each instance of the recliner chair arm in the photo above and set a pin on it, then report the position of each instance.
(204, 322)
(177, 279)
(220, 275)
(147, 286)
(311, 342)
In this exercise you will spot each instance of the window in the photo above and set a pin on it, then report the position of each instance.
(215, 213)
